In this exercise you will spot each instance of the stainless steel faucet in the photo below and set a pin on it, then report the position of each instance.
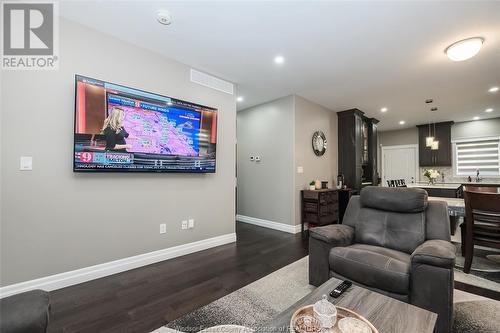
(478, 179)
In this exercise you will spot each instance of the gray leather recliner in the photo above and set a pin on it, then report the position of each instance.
(392, 241)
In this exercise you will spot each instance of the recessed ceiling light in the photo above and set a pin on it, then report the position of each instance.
(402, 122)
(488, 110)
(383, 110)
(476, 118)
(279, 59)
(493, 89)
(239, 99)
(464, 49)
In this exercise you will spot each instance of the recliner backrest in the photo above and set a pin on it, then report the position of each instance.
(394, 218)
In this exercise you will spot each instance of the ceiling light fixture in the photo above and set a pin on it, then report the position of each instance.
(488, 110)
(163, 17)
(464, 49)
(240, 99)
(493, 89)
(402, 122)
(383, 110)
(476, 118)
(279, 60)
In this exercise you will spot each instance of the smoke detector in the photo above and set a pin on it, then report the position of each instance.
(163, 17)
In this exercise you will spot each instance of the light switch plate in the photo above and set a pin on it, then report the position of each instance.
(300, 169)
(257, 158)
(184, 225)
(26, 163)
(191, 223)
(163, 228)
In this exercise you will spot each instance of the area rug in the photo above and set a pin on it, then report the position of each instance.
(262, 300)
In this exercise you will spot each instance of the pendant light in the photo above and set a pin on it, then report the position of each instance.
(435, 144)
(430, 139)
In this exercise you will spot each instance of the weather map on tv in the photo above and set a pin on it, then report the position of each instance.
(123, 129)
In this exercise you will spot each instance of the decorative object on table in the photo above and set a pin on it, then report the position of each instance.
(306, 324)
(325, 312)
(340, 181)
(319, 143)
(324, 185)
(317, 184)
(353, 325)
(312, 185)
(431, 175)
(342, 313)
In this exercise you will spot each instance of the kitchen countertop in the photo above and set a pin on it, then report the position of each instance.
(448, 186)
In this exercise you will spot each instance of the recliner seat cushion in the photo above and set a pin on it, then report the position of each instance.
(373, 266)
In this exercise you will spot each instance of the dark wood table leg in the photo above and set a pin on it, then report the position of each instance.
(453, 224)
(462, 236)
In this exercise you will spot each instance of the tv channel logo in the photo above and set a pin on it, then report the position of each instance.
(30, 38)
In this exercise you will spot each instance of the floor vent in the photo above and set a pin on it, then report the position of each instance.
(211, 82)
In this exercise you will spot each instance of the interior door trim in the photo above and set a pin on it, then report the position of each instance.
(382, 157)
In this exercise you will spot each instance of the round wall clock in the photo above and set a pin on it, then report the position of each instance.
(319, 143)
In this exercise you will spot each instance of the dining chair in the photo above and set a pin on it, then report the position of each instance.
(482, 220)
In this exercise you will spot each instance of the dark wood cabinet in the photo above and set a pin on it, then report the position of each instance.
(319, 207)
(440, 157)
(357, 147)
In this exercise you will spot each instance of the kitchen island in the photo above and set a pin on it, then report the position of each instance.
(443, 190)
(448, 190)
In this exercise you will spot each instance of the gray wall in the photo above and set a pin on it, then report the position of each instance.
(407, 136)
(463, 130)
(309, 118)
(53, 220)
(478, 128)
(265, 187)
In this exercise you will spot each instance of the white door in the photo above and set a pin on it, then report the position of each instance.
(400, 162)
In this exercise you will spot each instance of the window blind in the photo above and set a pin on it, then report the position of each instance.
(482, 155)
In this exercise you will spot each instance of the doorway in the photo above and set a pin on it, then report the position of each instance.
(400, 162)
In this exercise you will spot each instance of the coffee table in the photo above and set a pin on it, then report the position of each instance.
(386, 314)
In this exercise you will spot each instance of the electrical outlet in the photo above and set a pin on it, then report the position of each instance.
(163, 228)
(191, 223)
(184, 224)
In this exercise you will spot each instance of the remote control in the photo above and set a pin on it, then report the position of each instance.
(340, 289)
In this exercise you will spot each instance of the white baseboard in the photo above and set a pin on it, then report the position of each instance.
(70, 278)
(293, 229)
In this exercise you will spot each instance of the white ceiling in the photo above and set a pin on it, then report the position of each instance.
(339, 54)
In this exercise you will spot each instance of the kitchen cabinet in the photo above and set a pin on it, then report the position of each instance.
(440, 157)
(357, 140)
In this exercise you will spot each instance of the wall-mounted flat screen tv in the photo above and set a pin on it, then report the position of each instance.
(124, 129)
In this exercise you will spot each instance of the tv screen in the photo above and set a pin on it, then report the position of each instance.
(124, 129)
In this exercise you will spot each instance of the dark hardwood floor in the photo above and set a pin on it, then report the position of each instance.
(146, 298)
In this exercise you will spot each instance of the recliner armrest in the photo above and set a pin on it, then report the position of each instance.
(334, 234)
(435, 252)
